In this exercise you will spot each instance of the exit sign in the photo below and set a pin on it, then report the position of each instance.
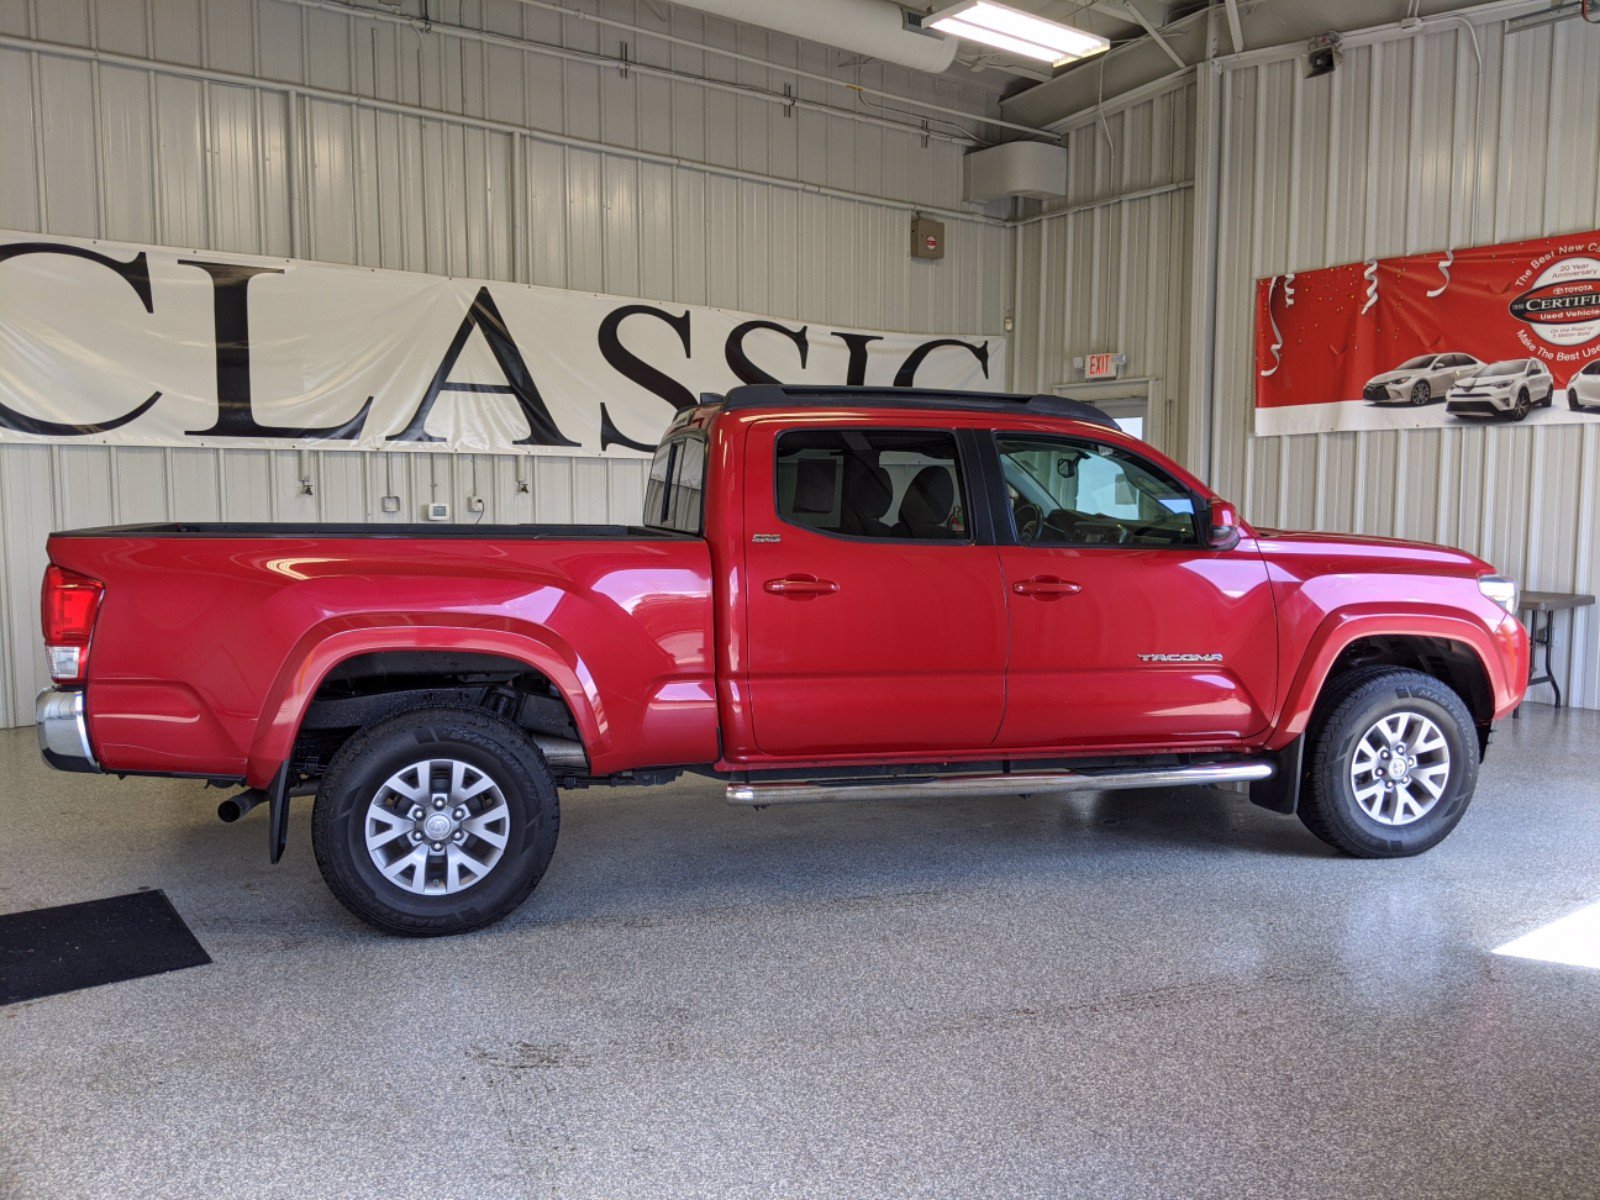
(1101, 366)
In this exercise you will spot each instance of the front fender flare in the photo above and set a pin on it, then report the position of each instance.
(1339, 629)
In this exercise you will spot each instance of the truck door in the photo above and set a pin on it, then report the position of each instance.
(875, 622)
(1126, 629)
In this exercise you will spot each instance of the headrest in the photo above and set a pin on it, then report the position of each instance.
(867, 490)
(930, 498)
(814, 485)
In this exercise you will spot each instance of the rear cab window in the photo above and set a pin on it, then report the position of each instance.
(675, 496)
(886, 484)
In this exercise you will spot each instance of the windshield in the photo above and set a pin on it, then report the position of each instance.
(1511, 366)
(1412, 364)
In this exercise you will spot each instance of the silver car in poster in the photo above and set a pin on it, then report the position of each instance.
(1583, 389)
(1419, 380)
(1507, 389)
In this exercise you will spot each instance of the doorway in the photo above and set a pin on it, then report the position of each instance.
(1125, 401)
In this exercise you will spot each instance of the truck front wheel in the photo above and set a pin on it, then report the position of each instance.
(435, 821)
(1393, 763)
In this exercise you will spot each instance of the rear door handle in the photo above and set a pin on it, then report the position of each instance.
(801, 587)
(1046, 587)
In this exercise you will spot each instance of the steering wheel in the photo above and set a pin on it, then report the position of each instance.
(1028, 517)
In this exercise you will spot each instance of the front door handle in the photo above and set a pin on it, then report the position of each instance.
(801, 587)
(1046, 587)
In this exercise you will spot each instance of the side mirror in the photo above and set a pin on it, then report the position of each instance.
(1224, 526)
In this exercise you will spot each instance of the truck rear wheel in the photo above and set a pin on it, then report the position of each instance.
(435, 821)
(1394, 762)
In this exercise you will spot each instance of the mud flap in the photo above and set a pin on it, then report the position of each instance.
(278, 814)
(1281, 793)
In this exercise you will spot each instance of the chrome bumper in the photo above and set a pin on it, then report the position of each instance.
(63, 730)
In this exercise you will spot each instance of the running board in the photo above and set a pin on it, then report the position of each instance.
(1018, 783)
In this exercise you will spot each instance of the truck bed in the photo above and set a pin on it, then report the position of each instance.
(212, 639)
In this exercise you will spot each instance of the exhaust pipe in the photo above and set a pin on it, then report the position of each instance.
(561, 752)
(234, 807)
(1017, 783)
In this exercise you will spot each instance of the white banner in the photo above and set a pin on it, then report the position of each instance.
(104, 342)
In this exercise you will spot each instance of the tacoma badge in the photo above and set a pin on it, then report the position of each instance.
(1180, 658)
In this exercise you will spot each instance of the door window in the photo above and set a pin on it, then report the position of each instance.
(902, 484)
(1091, 494)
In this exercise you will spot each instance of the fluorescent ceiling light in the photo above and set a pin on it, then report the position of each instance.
(1573, 940)
(1017, 32)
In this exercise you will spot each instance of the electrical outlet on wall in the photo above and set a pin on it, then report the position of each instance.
(475, 504)
(391, 504)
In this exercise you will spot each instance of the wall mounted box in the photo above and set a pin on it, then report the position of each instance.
(927, 238)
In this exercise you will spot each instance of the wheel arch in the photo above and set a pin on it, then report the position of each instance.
(325, 657)
(1455, 650)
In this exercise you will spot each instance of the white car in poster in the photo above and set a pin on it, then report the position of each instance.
(1502, 389)
(1583, 389)
(1419, 380)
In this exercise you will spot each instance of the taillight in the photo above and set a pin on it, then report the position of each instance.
(69, 606)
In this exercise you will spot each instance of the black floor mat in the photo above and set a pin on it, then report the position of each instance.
(50, 950)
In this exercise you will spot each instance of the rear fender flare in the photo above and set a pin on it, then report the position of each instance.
(324, 647)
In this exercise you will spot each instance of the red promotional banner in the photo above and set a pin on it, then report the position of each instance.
(1486, 335)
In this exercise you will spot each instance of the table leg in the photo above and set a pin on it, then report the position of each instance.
(1549, 640)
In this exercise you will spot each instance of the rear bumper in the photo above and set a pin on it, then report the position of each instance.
(63, 729)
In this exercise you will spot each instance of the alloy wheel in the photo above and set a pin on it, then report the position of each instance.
(1400, 768)
(437, 827)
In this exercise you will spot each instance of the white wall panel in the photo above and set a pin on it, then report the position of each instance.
(170, 150)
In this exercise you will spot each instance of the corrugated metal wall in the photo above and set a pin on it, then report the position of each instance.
(271, 127)
(1381, 158)
(1096, 272)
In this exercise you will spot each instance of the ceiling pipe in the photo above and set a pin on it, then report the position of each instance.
(875, 28)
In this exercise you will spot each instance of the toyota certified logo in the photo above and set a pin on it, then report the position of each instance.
(1563, 305)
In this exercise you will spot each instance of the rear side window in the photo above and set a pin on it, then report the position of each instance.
(893, 484)
(675, 497)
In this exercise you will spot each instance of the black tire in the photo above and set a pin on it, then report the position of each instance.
(1520, 412)
(487, 745)
(1352, 705)
(1572, 401)
(1421, 393)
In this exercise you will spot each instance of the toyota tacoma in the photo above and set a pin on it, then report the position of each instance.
(831, 594)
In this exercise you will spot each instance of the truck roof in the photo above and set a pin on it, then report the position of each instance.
(772, 395)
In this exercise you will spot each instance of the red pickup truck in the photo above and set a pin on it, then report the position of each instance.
(831, 594)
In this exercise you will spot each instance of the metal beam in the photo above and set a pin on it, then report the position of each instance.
(1128, 10)
(1234, 31)
(1275, 30)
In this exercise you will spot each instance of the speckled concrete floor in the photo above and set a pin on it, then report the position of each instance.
(1145, 994)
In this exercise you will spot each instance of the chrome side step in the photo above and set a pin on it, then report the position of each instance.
(1017, 783)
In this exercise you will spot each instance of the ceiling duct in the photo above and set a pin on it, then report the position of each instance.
(875, 28)
(1037, 170)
